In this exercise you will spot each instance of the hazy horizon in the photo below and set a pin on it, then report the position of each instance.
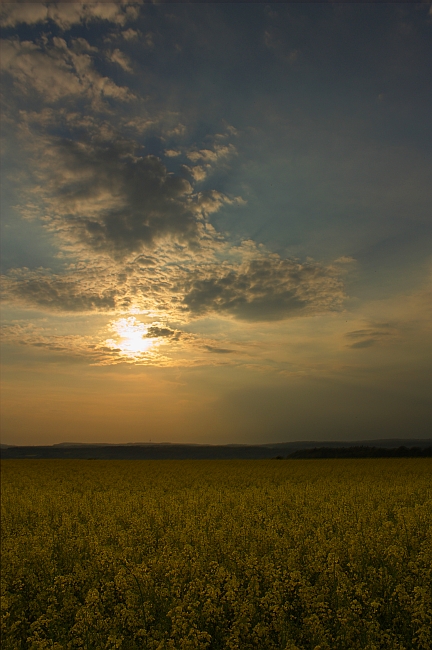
(143, 443)
(216, 222)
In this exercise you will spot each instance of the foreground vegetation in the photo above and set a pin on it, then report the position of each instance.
(313, 554)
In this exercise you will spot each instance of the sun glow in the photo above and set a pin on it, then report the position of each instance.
(132, 337)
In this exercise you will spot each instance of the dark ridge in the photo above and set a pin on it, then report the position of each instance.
(361, 452)
(141, 452)
(164, 451)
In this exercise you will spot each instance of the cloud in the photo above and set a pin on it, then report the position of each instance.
(56, 70)
(368, 336)
(94, 349)
(198, 173)
(130, 34)
(19, 13)
(134, 343)
(276, 42)
(212, 155)
(50, 75)
(148, 41)
(207, 158)
(65, 14)
(159, 331)
(163, 123)
(366, 343)
(105, 196)
(139, 232)
(74, 292)
(39, 337)
(211, 348)
(264, 288)
(181, 285)
(121, 59)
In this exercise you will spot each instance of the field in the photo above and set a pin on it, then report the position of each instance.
(306, 554)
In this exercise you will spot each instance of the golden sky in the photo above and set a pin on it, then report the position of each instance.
(216, 222)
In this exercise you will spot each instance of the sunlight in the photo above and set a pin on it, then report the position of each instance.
(132, 335)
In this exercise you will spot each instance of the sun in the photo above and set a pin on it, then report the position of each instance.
(132, 339)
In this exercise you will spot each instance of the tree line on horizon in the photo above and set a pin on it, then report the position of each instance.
(360, 452)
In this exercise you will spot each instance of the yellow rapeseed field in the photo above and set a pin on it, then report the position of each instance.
(311, 554)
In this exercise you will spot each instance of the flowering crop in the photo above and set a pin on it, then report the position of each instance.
(283, 555)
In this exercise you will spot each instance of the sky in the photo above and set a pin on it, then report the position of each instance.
(216, 222)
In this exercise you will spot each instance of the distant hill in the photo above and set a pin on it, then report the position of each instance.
(385, 442)
(172, 451)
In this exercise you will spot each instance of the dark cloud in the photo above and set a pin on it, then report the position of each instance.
(109, 202)
(155, 331)
(63, 294)
(211, 348)
(144, 261)
(264, 289)
(260, 286)
(368, 336)
(116, 202)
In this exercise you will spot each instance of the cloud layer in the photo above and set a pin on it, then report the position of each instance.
(127, 197)
(65, 14)
(264, 289)
(57, 70)
(120, 203)
(368, 336)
